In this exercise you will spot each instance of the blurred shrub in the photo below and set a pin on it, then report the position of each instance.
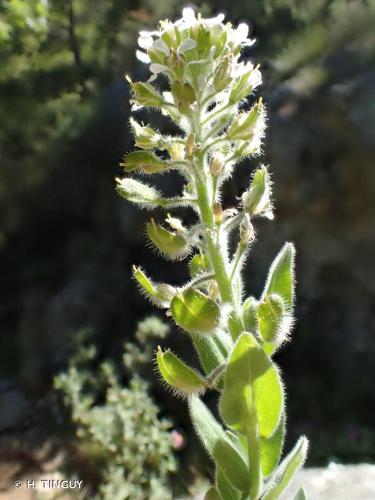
(121, 425)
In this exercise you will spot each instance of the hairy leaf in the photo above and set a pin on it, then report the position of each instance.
(218, 445)
(280, 278)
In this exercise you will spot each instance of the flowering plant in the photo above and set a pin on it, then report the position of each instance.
(235, 338)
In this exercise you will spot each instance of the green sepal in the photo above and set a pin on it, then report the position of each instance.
(301, 494)
(244, 86)
(225, 487)
(171, 244)
(198, 265)
(249, 314)
(143, 161)
(218, 445)
(181, 377)
(139, 193)
(252, 386)
(212, 494)
(195, 312)
(146, 95)
(271, 448)
(287, 469)
(280, 278)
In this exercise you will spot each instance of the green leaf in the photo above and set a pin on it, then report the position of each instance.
(144, 161)
(288, 467)
(218, 445)
(249, 314)
(195, 312)
(271, 448)
(146, 95)
(171, 244)
(280, 278)
(212, 494)
(301, 495)
(181, 377)
(198, 265)
(225, 487)
(139, 193)
(252, 385)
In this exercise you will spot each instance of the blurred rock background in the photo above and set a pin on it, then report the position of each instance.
(67, 241)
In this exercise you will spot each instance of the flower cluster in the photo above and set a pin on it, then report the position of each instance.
(207, 98)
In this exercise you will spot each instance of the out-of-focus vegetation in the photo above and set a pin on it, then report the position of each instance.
(67, 242)
(119, 426)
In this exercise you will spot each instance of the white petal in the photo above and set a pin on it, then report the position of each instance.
(242, 32)
(188, 14)
(161, 46)
(142, 56)
(215, 20)
(158, 68)
(187, 44)
(145, 41)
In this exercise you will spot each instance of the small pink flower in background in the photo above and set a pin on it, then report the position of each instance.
(178, 440)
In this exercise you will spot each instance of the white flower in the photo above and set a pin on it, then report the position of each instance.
(142, 56)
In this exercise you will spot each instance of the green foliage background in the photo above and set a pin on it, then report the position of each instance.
(67, 241)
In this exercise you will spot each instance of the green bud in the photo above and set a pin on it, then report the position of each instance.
(139, 193)
(244, 85)
(145, 95)
(257, 201)
(144, 161)
(183, 96)
(195, 312)
(246, 231)
(246, 125)
(271, 313)
(183, 379)
(152, 291)
(249, 314)
(172, 245)
(198, 265)
(145, 137)
(223, 78)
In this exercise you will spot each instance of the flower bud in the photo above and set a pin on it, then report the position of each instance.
(190, 146)
(249, 314)
(183, 96)
(182, 378)
(244, 85)
(144, 161)
(145, 95)
(145, 137)
(218, 212)
(216, 167)
(246, 231)
(257, 200)
(223, 75)
(247, 124)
